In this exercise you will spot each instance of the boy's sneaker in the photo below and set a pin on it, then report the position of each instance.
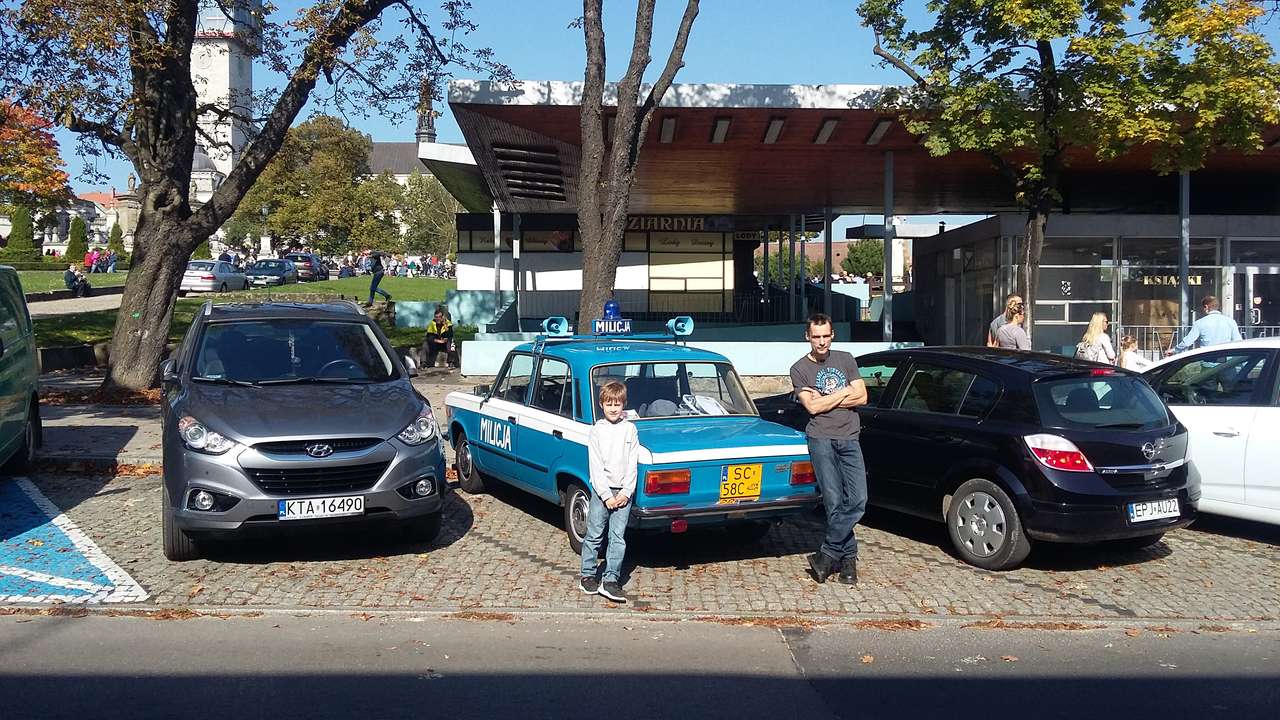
(611, 591)
(589, 585)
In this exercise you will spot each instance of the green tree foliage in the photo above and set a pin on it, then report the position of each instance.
(780, 268)
(23, 234)
(202, 252)
(77, 242)
(864, 256)
(428, 216)
(115, 241)
(1028, 83)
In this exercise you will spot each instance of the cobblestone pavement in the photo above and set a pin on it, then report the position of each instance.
(507, 551)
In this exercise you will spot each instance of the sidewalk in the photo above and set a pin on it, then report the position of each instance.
(50, 308)
(131, 435)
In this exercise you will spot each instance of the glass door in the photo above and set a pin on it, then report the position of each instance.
(1257, 300)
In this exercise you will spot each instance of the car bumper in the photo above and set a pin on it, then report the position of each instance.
(199, 285)
(262, 282)
(256, 510)
(663, 516)
(1106, 519)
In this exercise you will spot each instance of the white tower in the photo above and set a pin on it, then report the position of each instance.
(222, 68)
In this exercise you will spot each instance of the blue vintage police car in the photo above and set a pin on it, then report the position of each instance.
(706, 455)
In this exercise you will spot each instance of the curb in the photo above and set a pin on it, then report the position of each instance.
(99, 462)
(48, 295)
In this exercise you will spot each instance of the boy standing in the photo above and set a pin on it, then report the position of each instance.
(613, 451)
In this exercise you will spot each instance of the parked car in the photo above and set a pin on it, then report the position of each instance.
(272, 272)
(1008, 448)
(310, 266)
(1226, 396)
(212, 276)
(20, 429)
(707, 458)
(278, 416)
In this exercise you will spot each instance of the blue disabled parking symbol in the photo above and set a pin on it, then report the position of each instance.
(45, 558)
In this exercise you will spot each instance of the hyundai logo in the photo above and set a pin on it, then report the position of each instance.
(1148, 451)
(323, 450)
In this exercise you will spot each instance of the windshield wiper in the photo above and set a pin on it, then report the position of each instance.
(311, 379)
(224, 381)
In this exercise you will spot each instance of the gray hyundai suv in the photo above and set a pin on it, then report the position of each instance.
(279, 416)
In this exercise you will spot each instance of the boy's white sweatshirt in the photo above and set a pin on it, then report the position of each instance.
(613, 451)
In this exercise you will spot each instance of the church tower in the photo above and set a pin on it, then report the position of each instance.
(222, 68)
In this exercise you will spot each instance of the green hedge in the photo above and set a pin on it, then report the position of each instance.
(57, 263)
(12, 255)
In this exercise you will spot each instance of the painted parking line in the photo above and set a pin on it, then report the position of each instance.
(45, 558)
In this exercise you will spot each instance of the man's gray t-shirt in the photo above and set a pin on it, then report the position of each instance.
(996, 323)
(837, 371)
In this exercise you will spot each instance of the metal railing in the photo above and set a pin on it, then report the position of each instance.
(1154, 340)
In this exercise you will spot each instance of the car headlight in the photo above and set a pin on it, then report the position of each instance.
(422, 429)
(201, 439)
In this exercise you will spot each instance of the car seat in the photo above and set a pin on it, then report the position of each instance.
(1081, 400)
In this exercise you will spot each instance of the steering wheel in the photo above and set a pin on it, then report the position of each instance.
(338, 362)
(1194, 397)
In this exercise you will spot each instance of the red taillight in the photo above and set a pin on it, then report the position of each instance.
(802, 473)
(207, 277)
(666, 482)
(1059, 453)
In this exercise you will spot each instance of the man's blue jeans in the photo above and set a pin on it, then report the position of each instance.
(842, 477)
(597, 517)
(373, 288)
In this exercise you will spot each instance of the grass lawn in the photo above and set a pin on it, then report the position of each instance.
(96, 327)
(44, 280)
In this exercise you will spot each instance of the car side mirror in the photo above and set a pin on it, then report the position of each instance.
(411, 366)
(481, 390)
(169, 370)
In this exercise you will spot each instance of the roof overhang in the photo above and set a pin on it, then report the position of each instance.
(780, 149)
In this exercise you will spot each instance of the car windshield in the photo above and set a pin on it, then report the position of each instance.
(203, 266)
(291, 350)
(676, 389)
(1100, 402)
(267, 265)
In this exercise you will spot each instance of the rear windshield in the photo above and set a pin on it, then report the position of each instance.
(1116, 402)
(206, 266)
(268, 265)
(676, 389)
(291, 350)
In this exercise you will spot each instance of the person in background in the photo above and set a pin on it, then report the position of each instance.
(1213, 328)
(1011, 335)
(1012, 304)
(89, 258)
(1130, 358)
(224, 256)
(439, 339)
(112, 259)
(376, 268)
(75, 281)
(1095, 346)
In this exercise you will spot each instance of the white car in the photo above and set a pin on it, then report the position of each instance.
(212, 276)
(1226, 396)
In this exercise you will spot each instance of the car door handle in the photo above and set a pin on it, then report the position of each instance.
(1228, 432)
(557, 434)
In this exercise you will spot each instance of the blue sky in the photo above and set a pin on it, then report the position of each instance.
(739, 41)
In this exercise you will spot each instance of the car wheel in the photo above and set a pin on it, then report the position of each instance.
(222, 287)
(577, 501)
(469, 477)
(750, 531)
(26, 455)
(985, 528)
(1135, 544)
(178, 545)
(423, 529)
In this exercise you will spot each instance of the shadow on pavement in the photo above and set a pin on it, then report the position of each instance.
(1236, 528)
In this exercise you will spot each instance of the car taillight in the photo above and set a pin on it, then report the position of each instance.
(1059, 453)
(1097, 372)
(207, 277)
(666, 482)
(802, 473)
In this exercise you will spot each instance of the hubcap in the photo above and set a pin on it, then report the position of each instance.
(464, 459)
(578, 504)
(980, 524)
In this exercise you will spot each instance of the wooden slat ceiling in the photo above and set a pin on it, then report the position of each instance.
(744, 175)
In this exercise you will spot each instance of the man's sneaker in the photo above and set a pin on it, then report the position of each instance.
(822, 566)
(589, 585)
(611, 591)
(848, 572)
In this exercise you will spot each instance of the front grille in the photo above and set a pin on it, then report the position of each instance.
(299, 447)
(318, 479)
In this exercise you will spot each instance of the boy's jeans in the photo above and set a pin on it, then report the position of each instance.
(597, 516)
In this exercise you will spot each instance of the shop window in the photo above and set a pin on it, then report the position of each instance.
(1255, 252)
(1077, 251)
(1164, 251)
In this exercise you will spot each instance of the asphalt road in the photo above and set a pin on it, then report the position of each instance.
(284, 665)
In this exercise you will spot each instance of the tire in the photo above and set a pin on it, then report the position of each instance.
(222, 288)
(25, 457)
(747, 532)
(577, 500)
(423, 529)
(178, 545)
(469, 477)
(1134, 544)
(985, 528)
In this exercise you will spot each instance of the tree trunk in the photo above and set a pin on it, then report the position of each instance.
(1032, 247)
(138, 342)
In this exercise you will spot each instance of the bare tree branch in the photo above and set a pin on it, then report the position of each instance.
(898, 62)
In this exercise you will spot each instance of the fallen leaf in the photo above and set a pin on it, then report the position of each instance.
(868, 659)
(1133, 632)
(364, 616)
(195, 590)
(1009, 658)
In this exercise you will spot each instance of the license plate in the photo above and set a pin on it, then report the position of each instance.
(304, 508)
(740, 483)
(1153, 510)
